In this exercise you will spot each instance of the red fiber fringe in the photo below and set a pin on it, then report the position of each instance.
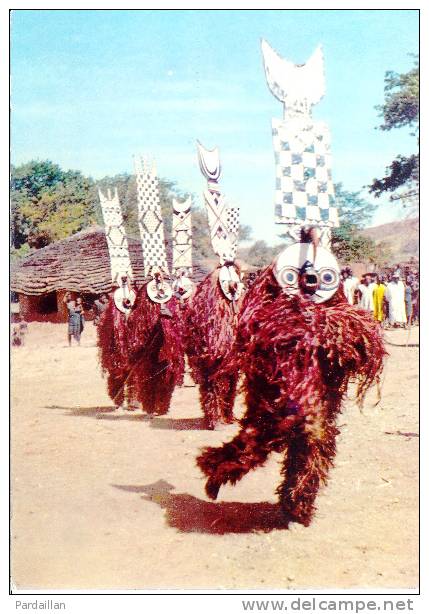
(297, 358)
(143, 356)
(211, 330)
(113, 351)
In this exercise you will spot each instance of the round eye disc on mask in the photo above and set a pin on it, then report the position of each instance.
(289, 267)
(159, 293)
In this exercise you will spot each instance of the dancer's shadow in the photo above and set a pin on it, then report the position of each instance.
(85, 411)
(101, 412)
(190, 514)
(155, 422)
(178, 424)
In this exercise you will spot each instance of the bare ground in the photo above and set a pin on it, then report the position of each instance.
(104, 499)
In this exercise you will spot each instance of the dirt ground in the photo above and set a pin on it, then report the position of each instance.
(105, 499)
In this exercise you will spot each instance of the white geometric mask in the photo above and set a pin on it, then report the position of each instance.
(298, 272)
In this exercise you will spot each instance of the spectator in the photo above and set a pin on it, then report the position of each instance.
(75, 319)
(378, 297)
(100, 306)
(365, 291)
(409, 301)
(395, 297)
(350, 285)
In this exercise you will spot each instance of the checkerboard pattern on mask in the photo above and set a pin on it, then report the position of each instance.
(304, 187)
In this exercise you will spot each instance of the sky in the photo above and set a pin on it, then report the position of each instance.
(92, 88)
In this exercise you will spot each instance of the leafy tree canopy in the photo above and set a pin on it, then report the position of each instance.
(401, 100)
(48, 203)
(400, 109)
(348, 244)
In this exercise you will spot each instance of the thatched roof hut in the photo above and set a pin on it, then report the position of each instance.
(78, 264)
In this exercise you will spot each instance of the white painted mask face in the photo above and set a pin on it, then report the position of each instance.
(183, 287)
(297, 272)
(158, 290)
(124, 297)
(230, 282)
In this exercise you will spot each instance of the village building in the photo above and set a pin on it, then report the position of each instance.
(79, 264)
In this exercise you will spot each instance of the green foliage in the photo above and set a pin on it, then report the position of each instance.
(400, 108)
(401, 100)
(352, 208)
(260, 254)
(402, 172)
(48, 204)
(348, 244)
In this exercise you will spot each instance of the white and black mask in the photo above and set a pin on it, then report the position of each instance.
(230, 282)
(313, 273)
(183, 287)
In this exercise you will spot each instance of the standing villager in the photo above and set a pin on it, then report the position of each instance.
(409, 301)
(378, 298)
(299, 342)
(366, 293)
(395, 297)
(212, 317)
(81, 311)
(74, 321)
(100, 306)
(350, 285)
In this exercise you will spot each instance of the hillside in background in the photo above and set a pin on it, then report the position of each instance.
(402, 238)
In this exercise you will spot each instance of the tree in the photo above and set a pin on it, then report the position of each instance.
(400, 109)
(260, 254)
(352, 208)
(348, 244)
(48, 203)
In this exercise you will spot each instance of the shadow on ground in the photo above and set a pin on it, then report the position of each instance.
(189, 514)
(178, 424)
(155, 422)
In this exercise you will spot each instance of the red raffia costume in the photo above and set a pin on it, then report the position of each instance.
(113, 352)
(140, 338)
(211, 322)
(299, 342)
(212, 318)
(297, 358)
(156, 353)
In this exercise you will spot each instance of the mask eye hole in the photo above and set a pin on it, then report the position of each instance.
(289, 277)
(328, 278)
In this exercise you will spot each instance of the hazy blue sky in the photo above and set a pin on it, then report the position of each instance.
(92, 88)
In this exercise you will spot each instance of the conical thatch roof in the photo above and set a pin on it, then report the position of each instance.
(79, 263)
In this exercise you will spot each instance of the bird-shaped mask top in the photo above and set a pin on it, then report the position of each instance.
(298, 86)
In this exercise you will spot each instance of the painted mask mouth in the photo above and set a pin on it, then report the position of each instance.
(309, 282)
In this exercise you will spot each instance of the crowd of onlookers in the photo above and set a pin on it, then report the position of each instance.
(392, 296)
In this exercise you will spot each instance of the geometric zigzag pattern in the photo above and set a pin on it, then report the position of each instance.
(150, 218)
(304, 187)
(182, 238)
(117, 243)
(221, 218)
